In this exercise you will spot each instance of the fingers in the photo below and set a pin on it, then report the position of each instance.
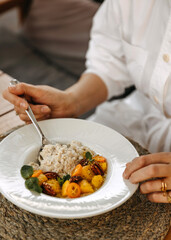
(146, 160)
(155, 185)
(158, 197)
(13, 93)
(23, 89)
(37, 109)
(41, 112)
(15, 100)
(153, 169)
(149, 172)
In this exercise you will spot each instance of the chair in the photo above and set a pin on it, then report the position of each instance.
(22, 5)
(21, 60)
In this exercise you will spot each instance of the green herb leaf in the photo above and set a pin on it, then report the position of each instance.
(66, 177)
(26, 171)
(37, 188)
(88, 155)
(62, 180)
(91, 160)
(32, 184)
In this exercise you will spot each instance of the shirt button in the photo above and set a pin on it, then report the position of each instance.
(166, 58)
(156, 99)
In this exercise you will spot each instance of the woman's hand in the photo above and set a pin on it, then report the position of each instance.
(146, 168)
(46, 102)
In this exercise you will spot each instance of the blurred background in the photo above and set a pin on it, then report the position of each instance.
(10, 20)
(45, 42)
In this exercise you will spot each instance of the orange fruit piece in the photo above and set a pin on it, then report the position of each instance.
(73, 190)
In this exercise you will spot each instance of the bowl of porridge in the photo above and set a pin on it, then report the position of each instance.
(80, 176)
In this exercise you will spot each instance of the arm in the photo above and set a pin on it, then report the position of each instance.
(106, 73)
(49, 102)
(88, 92)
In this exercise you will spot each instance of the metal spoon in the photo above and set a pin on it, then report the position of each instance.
(29, 112)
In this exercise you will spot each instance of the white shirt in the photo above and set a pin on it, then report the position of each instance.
(131, 44)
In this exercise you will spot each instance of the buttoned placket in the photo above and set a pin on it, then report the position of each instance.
(162, 70)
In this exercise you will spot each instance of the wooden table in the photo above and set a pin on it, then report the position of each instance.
(9, 120)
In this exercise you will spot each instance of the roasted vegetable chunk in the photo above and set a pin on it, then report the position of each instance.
(87, 173)
(97, 181)
(55, 185)
(86, 187)
(64, 188)
(42, 178)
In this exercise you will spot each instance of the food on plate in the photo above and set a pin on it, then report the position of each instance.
(26, 171)
(64, 188)
(66, 171)
(73, 190)
(97, 181)
(87, 172)
(86, 187)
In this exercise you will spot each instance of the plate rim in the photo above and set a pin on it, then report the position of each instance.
(54, 215)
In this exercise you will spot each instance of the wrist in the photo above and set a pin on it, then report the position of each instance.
(72, 104)
(86, 94)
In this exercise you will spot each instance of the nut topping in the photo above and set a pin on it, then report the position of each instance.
(47, 189)
(51, 175)
(97, 169)
(75, 179)
(83, 162)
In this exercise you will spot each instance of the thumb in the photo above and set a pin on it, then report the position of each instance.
(24, 89)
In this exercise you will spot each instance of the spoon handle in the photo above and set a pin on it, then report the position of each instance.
(32, 117)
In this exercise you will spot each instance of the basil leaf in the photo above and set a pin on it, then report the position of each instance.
(60, 180)
(26, 171)
(37, 188)
(88, 155)
(66, 177)
(32, 184)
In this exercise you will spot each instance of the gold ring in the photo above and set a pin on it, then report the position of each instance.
(168, 198)
(163, 188)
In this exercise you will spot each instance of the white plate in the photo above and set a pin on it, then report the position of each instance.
(21, 147)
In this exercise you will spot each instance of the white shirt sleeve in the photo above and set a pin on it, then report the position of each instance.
(105, 56)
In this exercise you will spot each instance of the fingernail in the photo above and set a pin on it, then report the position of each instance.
(45, 109)
(23, 105)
